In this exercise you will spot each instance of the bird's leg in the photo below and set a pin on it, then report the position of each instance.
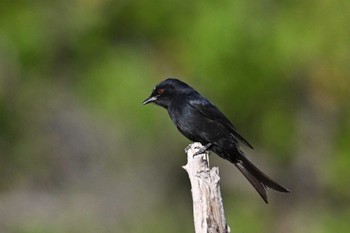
(202, 149)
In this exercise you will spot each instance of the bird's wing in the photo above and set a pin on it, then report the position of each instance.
(212, 112)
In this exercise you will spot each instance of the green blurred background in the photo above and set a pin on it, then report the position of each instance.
(79, 153)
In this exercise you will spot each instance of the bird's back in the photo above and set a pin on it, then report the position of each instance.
(196, 126)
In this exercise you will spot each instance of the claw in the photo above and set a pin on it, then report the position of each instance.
(202, 149)
(187, 148)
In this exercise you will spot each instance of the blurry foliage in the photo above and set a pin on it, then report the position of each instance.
(73, 76)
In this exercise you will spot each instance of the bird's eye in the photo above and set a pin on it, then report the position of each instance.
(160, 91)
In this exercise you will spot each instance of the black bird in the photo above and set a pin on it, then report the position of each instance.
(201, 121)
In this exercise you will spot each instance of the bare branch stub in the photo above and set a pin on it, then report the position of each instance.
(208, 210)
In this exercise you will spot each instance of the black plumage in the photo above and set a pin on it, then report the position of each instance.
(201, 121)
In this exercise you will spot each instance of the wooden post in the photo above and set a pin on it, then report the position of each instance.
(208, 210)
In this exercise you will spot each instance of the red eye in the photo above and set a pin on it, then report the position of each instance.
(160, 91)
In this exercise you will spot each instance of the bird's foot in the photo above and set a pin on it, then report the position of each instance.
(202, 149)
(187, 148)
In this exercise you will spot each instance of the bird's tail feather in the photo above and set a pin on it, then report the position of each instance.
(257, 178)
(259, 187)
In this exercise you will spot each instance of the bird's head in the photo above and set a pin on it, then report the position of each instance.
(166, 92)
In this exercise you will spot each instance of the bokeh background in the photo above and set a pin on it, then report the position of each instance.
(79, 153)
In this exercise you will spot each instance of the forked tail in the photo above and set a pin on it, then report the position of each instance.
(257, 178)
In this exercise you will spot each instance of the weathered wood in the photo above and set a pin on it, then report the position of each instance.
(208, 210)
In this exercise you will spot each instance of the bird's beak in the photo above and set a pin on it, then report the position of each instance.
(149, 100)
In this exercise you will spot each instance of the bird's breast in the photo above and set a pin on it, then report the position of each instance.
(184, 119)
